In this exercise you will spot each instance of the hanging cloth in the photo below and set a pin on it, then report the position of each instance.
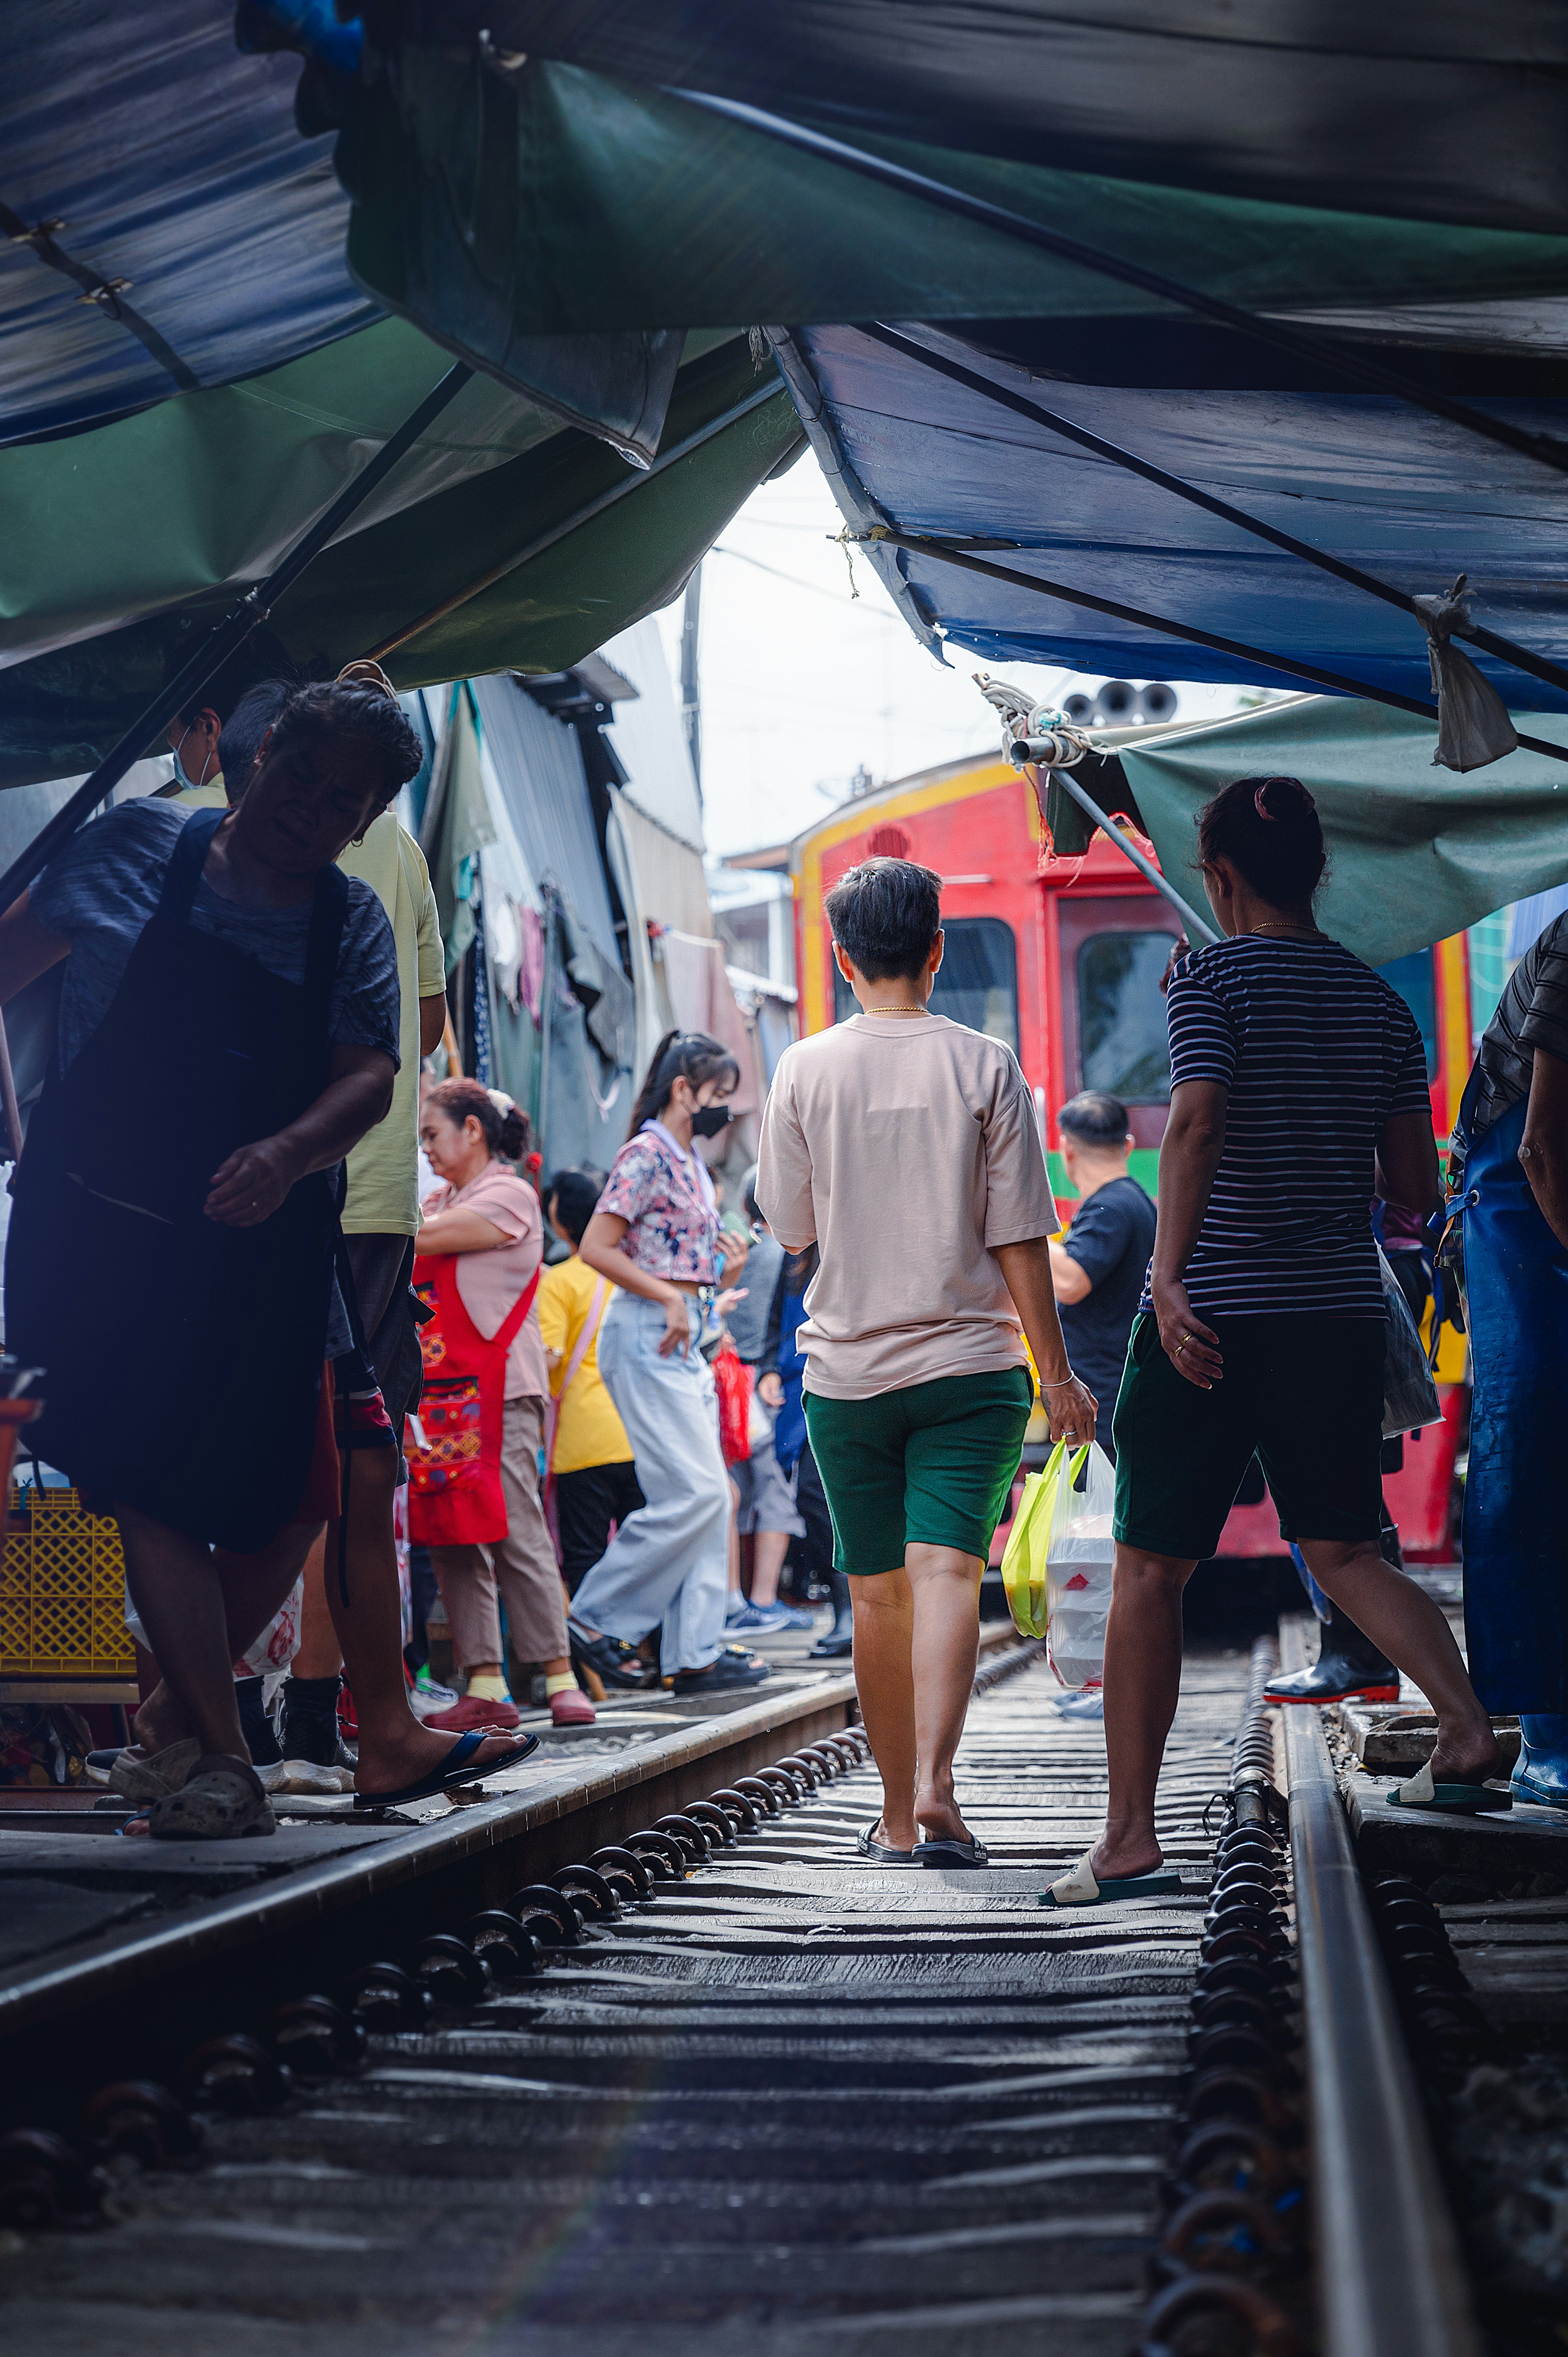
(1473, 723)
(183, 1358)
(454, 1496)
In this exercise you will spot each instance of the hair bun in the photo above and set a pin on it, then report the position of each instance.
(1297, 801)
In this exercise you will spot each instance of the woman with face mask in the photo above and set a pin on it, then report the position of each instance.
(656, 1237)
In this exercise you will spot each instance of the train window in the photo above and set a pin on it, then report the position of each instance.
(1121, 1038)
(978, 982)
(1414, 980)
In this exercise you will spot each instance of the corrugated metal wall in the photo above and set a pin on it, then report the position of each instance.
(538, 765)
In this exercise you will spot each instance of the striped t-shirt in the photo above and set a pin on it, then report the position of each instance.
(1532, 1012)
(1316, 1051)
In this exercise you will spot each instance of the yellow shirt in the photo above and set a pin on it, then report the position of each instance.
(589, 1431)
(213, 795)
(383, 1189)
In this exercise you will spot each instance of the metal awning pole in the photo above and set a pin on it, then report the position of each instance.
(222, 641)
(1195, 928)
(8, 1097)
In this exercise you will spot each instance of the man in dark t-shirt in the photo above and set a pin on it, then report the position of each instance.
(1098, 1266)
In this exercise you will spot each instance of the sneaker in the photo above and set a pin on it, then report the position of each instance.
(1088, 1705)
(571, 1708)
(735, 1606)
(775, 1617)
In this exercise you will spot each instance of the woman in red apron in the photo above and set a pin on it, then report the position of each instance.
(474, 1495)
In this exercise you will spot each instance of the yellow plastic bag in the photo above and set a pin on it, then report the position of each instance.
(1028, 1541)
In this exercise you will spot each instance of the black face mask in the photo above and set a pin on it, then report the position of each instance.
(709, 1120)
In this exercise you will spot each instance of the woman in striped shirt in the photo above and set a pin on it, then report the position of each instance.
(1298, 1090)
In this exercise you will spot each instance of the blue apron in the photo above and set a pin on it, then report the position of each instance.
(1515, 1493)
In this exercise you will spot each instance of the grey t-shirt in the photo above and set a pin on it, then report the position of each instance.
(104, 886)
(747, 1321)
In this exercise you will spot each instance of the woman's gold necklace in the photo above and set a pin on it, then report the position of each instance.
(1309, 932)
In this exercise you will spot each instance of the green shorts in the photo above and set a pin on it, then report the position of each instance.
(930, 1466)
(1305, 1393)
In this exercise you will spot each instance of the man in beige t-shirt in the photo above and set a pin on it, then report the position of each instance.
(905, 1148)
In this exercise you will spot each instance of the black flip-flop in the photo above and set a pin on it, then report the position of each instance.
(457, 1767)
(950, 1852)
(881, 1852)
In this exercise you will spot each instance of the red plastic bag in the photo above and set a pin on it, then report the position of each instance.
(732, 1382)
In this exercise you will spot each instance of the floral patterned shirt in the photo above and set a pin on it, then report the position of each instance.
(666, 1197)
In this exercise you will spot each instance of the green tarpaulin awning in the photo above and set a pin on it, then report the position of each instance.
(505, 541)
(1414, 854)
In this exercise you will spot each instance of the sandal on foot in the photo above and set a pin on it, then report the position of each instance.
(137, 1776)
(1419, 1792)
(610, 1658)
(881, 1852)
(219, 1800)
(1082, 1888)
(948, 1851)
(457, 1767)
(734, 1667)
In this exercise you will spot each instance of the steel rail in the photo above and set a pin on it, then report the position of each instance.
(1338, 682)
(1547, 448)
(226, 638)
(1491, 642)
(1392, 2282)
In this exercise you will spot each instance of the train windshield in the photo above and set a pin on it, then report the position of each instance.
(1122, 1042)
(978, 982)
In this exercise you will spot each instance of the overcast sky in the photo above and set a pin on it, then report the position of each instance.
(802, 683)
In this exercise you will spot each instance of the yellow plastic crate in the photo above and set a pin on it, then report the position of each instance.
(62, 1591)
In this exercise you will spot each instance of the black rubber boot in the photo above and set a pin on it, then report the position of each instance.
(839, 1643)
(254, 1724)
(1348, 1663)
(310, 1720)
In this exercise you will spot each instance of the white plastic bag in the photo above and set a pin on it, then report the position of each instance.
(1077, 1573)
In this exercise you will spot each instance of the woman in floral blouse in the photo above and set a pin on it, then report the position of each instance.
(656, 1237)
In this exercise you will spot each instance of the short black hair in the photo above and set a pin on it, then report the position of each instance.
(572, 1195)
(884, 915)
(245, 729)
(359, 716)
(1094, 1117)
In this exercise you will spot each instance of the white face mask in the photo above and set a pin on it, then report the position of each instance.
(182, 774)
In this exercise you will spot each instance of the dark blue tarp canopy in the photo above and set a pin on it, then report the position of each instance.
(1374, 480)
(174, 164)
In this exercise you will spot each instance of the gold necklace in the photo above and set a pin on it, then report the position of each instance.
(1309, 932)
(895, 1010)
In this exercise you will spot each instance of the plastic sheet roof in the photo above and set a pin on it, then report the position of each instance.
(173, 164)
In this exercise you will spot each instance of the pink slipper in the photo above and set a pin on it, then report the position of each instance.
(470, 1713)
(571, 1708)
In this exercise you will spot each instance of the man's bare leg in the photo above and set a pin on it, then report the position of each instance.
(766, 1563)
(319, 1654)
(395, 1750)
(250, 1589)
(945, 1586)
(1404, 1620)
(1142, 1683)
(883, 1677)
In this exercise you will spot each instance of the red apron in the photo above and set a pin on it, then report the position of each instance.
(454, 1496)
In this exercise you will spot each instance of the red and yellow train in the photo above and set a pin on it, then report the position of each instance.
(1063, 958)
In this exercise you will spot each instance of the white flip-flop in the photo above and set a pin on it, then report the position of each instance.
(1080, 1888)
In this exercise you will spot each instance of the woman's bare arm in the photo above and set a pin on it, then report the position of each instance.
(601, 1249)
(250, 1185)
(461, 1231)
(1407, 1164)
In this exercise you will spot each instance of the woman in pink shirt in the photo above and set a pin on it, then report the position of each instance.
(489, 1216)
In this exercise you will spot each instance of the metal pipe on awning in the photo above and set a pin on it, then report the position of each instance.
(594, 507)
(1336, 681)
(1028, 754)
(1539, 666)
(1546, 447)
(225, 638)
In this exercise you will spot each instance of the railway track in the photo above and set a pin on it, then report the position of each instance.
(773, 2099)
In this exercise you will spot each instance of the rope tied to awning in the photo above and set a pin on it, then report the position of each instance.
(1473, 723)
